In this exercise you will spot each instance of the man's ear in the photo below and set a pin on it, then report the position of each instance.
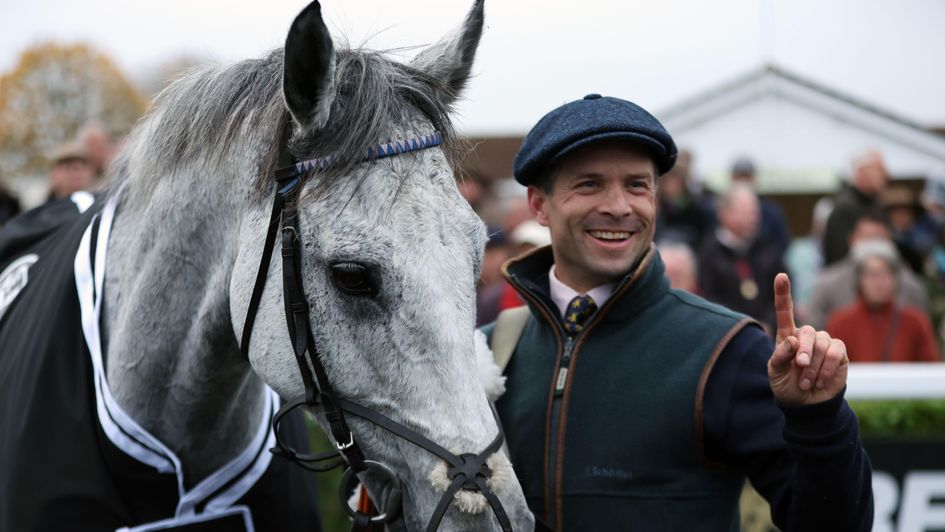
(537, 203)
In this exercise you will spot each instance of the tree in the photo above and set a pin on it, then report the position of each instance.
(50, 94)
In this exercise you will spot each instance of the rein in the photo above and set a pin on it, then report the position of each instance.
(467, 471)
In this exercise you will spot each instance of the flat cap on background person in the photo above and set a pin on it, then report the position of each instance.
(591, 119)
(867, 249)
(69, 151)
(743, 166)
(532, 233)
(893, 197)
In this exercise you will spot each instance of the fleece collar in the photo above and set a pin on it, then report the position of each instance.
(642, 286)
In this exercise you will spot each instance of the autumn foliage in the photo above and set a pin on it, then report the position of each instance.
(50, 94)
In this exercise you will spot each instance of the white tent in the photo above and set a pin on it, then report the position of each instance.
(800, 134)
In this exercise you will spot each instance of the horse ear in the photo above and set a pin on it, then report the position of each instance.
(308, 78)
(450, 59)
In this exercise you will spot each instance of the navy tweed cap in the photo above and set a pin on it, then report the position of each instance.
(591, 119)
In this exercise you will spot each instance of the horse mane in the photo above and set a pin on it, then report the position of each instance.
(216, 113)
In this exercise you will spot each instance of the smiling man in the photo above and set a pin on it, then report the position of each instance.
(633, 406)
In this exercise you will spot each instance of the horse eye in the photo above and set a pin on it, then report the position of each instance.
(353, 279)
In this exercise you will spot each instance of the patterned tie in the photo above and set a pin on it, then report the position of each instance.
(579, 309)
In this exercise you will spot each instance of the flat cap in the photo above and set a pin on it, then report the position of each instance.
(591, 119)
(68, 151)
(875, 247)
(743, 166)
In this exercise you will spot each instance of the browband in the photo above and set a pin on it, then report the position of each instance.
(390, 149)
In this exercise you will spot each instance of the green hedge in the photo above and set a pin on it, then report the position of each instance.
(333, 516)
(916, 418)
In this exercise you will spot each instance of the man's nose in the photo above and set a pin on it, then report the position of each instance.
(616, 203)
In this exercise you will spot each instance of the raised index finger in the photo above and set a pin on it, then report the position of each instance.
(783, 307)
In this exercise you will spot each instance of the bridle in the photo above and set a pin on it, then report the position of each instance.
(466, 471)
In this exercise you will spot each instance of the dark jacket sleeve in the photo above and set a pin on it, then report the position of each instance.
(839, 226)
(808, 462)
(775, 224)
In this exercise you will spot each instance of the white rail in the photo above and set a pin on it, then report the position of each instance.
(896, 381)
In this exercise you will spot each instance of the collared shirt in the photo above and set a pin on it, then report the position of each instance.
(729, 240)
(562, 294)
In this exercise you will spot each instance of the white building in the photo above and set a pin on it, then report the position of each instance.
(801, 135)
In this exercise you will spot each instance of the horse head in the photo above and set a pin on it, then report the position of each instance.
(390, 254)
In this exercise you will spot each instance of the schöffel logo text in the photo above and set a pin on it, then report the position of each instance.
(608, 472)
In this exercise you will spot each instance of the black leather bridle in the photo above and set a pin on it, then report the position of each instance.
(467, 471)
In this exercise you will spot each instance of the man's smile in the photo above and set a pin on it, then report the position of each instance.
(610, 235)
(611, 239)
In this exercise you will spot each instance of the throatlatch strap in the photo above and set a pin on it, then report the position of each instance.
(283, 158)
(261, 274)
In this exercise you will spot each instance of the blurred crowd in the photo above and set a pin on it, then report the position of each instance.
(871, 271)
(78, 164)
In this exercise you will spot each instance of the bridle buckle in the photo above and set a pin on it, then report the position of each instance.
(345, 446)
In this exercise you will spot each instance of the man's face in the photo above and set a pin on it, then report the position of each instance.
(871, 177)
(868, 229)
(901, 218)
(70, 175)
(877, 282)
(672, 187)
(743, 215)
(600, 211)
(680, 270)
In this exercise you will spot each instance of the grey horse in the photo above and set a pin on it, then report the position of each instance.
(178, 243)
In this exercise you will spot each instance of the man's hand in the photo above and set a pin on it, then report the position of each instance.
(807, 366)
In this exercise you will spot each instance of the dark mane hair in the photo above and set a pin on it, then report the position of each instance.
(210, 112)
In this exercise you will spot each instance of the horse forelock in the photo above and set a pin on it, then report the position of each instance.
(215, 115)
(377, 100)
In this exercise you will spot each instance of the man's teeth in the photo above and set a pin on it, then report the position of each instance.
(610, 235)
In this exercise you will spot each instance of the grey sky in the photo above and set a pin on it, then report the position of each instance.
(536, 54)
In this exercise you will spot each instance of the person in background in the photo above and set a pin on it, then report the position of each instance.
(804, 258)
(9, 205)
(903, 211)
(773, 223)
(931, 220)
(876, 328)
(471, 190)
(935, 265)
(736, 266)
(681, 268)
(679, 216)
(71, 171)
(99, 146)
(861, 194)
(835, 286)
(529, 235)
(515, 212)
(489, 287)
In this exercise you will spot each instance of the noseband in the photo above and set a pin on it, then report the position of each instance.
(467, 471)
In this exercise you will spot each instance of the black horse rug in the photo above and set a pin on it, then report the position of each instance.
(70, 457)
